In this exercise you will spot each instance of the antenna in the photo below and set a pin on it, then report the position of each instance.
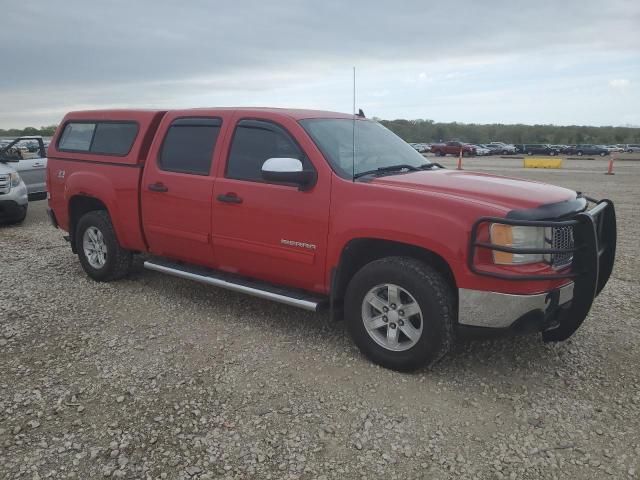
(353, 139)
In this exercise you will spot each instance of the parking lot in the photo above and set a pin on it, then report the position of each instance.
(157, 377)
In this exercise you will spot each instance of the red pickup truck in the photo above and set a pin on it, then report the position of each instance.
(453, 148)
(284, 205)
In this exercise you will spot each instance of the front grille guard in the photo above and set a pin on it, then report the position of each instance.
(593, 252)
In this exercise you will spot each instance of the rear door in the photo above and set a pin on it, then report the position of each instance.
(177, 187)
(270, 231)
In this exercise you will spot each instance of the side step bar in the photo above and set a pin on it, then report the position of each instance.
(295, 298)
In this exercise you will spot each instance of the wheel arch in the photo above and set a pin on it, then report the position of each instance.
(79, 205)
(360, 251)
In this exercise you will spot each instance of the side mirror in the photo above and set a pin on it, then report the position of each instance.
(288, 170)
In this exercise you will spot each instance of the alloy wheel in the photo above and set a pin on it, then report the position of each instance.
(95, 248)
(392, 317)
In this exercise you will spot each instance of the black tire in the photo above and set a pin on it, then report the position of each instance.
(442, 154)
(579, 153)
(118, 260)
(602, 154)
(18, 218)
(505, 152)
(529, 152)
(434, 297)
(552, 153)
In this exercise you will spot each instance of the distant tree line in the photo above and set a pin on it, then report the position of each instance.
(429, 131)
(17, 132)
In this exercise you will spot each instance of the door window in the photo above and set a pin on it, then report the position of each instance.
(24, 149)
(188, 145)
(254, 142)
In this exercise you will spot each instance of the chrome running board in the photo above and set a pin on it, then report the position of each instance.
(292, 297)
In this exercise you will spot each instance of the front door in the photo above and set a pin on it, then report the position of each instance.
(32, 163)
(177, 188)
(274, 232)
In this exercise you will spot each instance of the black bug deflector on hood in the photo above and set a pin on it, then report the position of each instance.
(551, 211)
(593, 251)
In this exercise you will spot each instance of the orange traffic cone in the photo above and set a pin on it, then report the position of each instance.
(460, 160)
(610, 169)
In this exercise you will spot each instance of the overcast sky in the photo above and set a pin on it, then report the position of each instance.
(563, 62)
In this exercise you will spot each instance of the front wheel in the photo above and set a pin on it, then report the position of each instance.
(602, 154)
(19, 218)
(100, 254)
(529, 153)
(579, 154)
(400, 313)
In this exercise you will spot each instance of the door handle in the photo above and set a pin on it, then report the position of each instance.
(158, 187)
(37, 165)
(229, 198)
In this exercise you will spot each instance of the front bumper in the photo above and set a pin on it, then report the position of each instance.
(478, 308)
(11, 210)
(560, 312)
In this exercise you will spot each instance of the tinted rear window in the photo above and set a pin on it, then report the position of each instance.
(106, 138)
(188, 145)
(114, 138)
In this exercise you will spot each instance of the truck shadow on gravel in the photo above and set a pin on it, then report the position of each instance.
(304, 331)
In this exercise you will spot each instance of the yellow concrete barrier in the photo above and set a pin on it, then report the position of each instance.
(542, 162)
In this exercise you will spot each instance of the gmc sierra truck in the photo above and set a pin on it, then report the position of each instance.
(326, 210)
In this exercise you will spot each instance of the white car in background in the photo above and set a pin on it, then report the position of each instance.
(482, 151)
(614, 148)
(503, 148)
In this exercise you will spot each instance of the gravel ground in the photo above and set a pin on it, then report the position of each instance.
(156, 377)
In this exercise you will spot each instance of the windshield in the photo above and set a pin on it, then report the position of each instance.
(375, 146)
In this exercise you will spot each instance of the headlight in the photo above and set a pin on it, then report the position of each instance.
(518, 237)
(15, 179)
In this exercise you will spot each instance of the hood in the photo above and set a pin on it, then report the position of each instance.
(502, 192)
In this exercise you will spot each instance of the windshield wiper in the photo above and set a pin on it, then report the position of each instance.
(429, 166)
(390, 168)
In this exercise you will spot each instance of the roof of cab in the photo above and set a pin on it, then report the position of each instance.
(296, 114)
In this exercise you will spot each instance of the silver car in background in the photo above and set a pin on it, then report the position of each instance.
(28, 157)
(23, 166)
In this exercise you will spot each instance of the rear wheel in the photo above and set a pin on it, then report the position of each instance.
(442, 154)
(579, 153)
(100, 254)
(399, 313)
(602, 154)
(552, 153)
(529, 152)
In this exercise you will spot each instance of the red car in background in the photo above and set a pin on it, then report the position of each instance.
(453, 148)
